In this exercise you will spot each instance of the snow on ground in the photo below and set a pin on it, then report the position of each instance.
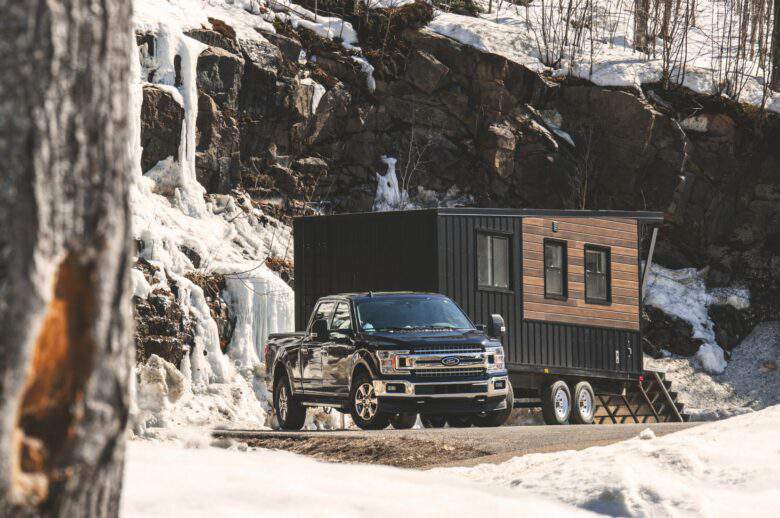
(165, 479)
(728, 468)
(605, 55)
(682, 293)
(751, 380)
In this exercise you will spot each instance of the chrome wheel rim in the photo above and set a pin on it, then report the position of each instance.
(585, 403)
(366, 402)
(282, 403)
(561, 404)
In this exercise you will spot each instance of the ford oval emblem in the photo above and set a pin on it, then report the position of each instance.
(450, 361)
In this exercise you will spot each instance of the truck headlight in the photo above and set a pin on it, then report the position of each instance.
(392, 362)
(495, 359)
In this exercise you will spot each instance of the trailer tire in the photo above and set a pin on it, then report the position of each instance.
(583, 406)
(433, 420)
(499, 417)
(290, 413)
(403, 421)
(556, 403)
(364, 404)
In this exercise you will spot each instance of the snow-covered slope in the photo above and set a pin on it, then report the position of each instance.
(728, 468)
(604, 55)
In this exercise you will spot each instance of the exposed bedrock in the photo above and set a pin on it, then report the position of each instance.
(291, 120)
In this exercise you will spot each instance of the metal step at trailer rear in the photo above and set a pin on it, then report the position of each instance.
(651, 400)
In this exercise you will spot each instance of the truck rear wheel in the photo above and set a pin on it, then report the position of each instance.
(289, 412)
(433, 420)
(364, 405)
(499, 417)
(403, 421)
(584, 407)
(556, 403)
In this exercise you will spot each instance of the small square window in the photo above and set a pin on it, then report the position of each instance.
(555, 268)
(597, 275)
(493, 270)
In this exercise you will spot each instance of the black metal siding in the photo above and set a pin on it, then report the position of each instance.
(458, 272)
(390, 251)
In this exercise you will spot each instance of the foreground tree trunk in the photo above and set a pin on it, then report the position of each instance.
(64, 245)
(776, 47)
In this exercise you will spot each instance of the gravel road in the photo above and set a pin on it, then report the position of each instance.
(425, 448)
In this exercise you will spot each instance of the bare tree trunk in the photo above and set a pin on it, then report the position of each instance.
(65, 356)
(641, 14)
(776, 47)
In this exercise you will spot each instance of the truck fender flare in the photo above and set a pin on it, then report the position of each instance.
(362, 358)
(279, 361)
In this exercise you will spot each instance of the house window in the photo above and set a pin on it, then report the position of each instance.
(492, 261)
(555, 282)
(597, 275)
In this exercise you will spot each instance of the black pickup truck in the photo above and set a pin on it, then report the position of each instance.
(386, 357)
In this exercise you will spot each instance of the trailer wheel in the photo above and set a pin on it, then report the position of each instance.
(584, 407)
(403, 421)
(364, 405)
(289, 412)
(433, 420)
(556, 403)
(499, 417)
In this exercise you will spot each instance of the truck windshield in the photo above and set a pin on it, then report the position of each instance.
(406, 313)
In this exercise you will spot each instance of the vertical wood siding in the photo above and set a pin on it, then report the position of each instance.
(620, 235)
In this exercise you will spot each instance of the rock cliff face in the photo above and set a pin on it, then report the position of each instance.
(293, 120)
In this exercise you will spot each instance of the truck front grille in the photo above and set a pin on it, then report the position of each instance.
(448, 349)
(449, 373)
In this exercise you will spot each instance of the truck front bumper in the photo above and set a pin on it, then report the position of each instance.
(445, 397)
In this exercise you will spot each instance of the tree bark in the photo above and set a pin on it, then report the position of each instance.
(65, 353)
(776, 47)
(641, 15)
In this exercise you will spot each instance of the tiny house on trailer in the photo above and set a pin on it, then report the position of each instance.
(567, 283)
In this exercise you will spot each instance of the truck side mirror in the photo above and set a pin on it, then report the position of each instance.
(496, 327)
(319, 330)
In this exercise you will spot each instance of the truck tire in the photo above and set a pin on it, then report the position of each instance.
(289, 412)
(403, 421)
(364, 405)
(583, 407)
(460, 420)
(493, 419)
(556, 403)
(433, 420)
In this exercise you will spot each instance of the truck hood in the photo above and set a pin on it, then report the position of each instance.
(405, 340)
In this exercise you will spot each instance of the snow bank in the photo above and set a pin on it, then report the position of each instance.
(682, 293)
(728, 468)
(169, 480)
(605, 56)
(751, 380)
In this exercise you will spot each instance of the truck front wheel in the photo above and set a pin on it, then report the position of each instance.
(403, 421)
(364, 405)
(556, 403)
(499, 417)
(289, 412)
(433, 420)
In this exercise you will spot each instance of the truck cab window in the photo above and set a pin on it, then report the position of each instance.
(324, 311)
(597, 275)
(555, 265)
(342, 320)
(492, 260)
